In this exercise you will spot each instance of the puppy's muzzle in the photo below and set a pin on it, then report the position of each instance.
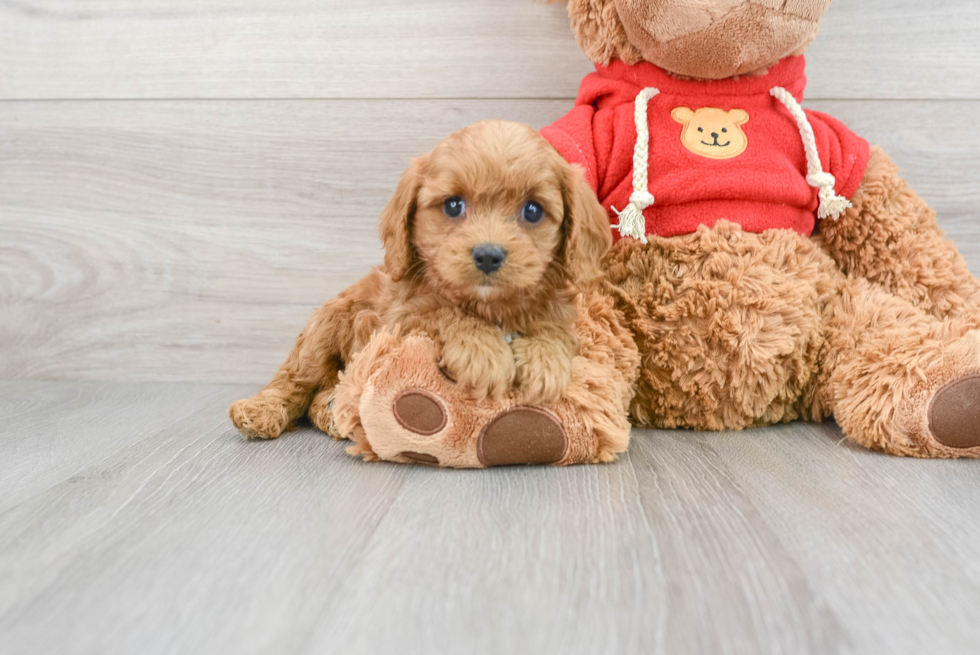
(489, 257)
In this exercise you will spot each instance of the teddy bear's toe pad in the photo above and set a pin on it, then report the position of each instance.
(420, 458)
(420, 411)
(522, 435)
(954, 414)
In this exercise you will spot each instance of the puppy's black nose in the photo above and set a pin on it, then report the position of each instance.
(716, 135)
(489, 257)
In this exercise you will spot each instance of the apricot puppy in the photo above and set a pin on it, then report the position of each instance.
(487, 239)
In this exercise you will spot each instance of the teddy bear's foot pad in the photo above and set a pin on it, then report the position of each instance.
(522, 435)
(420, 458)
(420, 411)
(954, 414)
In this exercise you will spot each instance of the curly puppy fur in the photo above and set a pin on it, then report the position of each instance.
(431, 285)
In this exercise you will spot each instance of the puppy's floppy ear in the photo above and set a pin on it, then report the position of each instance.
(588, 236)
(396, 222)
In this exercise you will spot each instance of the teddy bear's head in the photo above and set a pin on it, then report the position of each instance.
(706, 39)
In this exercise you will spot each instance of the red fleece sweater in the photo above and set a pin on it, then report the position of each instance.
(747, 166)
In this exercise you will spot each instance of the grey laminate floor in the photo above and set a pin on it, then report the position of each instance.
(133, 519)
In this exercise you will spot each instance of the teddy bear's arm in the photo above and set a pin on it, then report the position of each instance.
(890, 237)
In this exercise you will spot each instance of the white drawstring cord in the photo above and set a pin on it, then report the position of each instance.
(631, 221)
(831, 204)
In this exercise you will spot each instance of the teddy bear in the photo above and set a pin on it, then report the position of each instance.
(769, 264)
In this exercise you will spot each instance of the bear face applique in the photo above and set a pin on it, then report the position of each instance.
(711, 132)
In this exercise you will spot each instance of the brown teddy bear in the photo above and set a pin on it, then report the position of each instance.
(769, 264)
(772, 266)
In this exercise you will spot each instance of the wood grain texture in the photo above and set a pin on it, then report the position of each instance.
(191, 240)
(779, 540)
(53, 430)
(422, 49)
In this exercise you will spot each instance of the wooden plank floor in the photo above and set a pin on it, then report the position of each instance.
(138, 521)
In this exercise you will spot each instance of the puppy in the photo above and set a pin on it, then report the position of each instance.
(487, 240)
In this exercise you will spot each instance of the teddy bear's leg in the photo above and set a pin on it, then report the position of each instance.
(330, 337)
(897, 379)
(729, 324)
(396, 404)
(890, 237)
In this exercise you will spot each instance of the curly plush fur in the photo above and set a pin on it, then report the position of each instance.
(890, 237)
(697, 39)
(740, 330)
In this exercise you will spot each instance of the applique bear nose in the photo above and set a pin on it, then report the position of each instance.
(715, 135)
(489, 257)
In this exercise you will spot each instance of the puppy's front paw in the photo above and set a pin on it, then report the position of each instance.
(544, 369)
(259, 418)
(485, 367)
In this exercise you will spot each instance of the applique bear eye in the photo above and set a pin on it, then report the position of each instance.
(454, 207)
(532, 212)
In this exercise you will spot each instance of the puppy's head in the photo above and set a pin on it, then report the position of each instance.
(494, 213)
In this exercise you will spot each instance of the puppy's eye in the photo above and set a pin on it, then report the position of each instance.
(454, 207)
(700, 129)
(725, 130)
(532, 212)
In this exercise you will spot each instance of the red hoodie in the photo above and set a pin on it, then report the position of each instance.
(718, 150)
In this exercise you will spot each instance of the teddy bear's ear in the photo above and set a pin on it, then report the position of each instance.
(587, 235)
(683, 115)
(599, 32)
(396, 222)
(739, 116)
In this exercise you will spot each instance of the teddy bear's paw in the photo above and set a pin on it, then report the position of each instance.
(519, 435)
(411, 411)
(954, 415)
(522, 435)
(420, 412)
(258, 418)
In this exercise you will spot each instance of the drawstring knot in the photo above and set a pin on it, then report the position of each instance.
(631, 220)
